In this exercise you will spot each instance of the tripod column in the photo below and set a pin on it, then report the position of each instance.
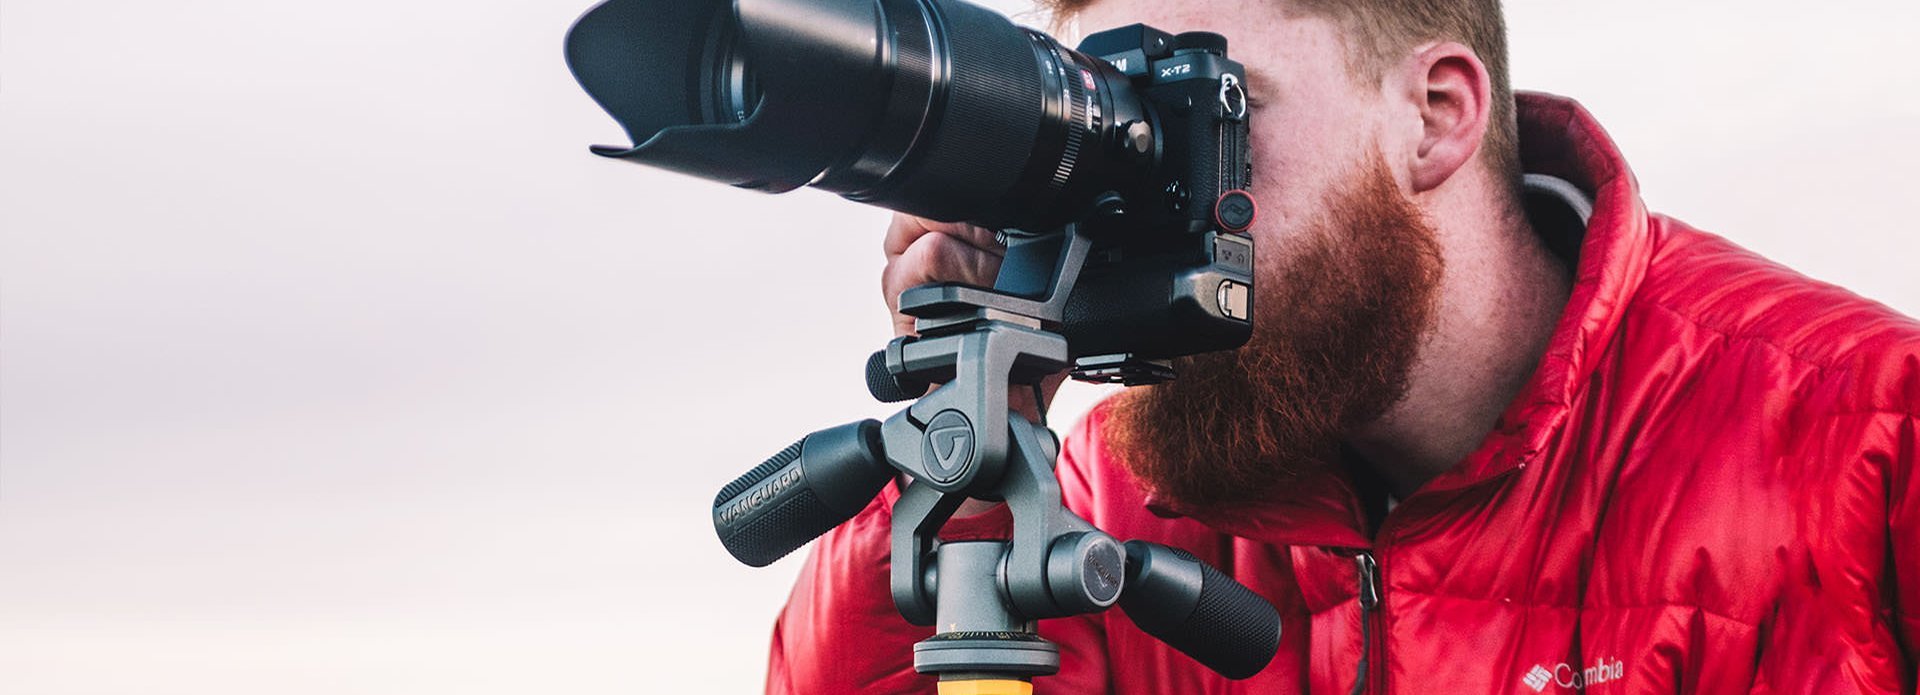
(979, 648)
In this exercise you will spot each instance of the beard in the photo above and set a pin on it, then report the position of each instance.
(1336, 329)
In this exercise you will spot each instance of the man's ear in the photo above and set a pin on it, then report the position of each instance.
(1454, 95)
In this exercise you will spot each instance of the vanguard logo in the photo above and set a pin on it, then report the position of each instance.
(1564, 675)
(759, 496)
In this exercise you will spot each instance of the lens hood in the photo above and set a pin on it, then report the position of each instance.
(667, 71)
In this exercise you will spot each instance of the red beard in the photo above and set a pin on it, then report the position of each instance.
(1335, 332)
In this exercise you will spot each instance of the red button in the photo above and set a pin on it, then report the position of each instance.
(1235, 211)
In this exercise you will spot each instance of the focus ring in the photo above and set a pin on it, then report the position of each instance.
(1076, 95)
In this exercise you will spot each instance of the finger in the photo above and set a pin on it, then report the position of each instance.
(940, 258)
(904, 325)
(907, 229)
(935, 258)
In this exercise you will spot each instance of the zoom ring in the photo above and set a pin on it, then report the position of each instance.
(1078, 102)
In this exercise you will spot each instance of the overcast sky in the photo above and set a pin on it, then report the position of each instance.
(330, 362)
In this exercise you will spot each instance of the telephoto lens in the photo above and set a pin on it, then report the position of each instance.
(936, 108)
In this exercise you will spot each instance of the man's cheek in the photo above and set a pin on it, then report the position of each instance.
(1290, 207)
(1288, 179)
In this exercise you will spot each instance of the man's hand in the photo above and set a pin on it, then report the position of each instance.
(921, 251)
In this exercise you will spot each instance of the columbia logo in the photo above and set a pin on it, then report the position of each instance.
(1538, 678)
(1571, 677)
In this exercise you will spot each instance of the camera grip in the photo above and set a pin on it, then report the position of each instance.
(1157, 307)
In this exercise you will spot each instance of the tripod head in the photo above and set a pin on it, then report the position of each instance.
(961, 440)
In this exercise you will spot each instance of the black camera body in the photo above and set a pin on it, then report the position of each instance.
(1195, 103)
(1173, 273)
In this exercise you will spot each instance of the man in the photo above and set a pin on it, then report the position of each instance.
(1620, 454)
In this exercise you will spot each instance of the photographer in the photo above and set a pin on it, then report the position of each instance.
(1488, 436)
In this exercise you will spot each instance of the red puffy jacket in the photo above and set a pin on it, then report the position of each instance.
(1709, 485)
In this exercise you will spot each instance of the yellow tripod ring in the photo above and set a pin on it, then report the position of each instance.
(986, 687)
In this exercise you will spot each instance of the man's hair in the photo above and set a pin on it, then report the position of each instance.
(1380, 32)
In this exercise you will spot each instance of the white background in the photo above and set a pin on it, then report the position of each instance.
(330, 362)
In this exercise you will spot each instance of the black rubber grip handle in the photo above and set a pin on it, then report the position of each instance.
(805, 490)
(887, 388)
(1199, 611)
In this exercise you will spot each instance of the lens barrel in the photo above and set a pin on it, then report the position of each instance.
(937, 108)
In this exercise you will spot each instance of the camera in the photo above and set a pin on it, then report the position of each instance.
(1136, 140)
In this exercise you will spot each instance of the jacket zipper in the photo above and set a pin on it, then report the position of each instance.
(1373, 668)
